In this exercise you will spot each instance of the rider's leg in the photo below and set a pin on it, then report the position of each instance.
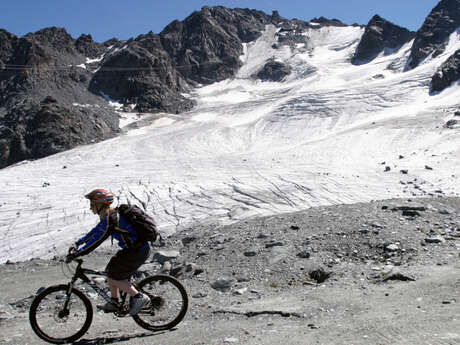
(123, 285)
(113, 289)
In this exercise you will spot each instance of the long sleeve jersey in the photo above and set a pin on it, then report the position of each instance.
(121, 231)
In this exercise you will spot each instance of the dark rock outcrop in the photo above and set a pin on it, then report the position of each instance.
(8, 42)
(41, 64)
(87, 47)
(206, 46)
(292, 32)
(34, 130)
(56, 38)
(432, 37)
(378, 35)
(142, 73)
(328, 22)
(448, 73)
(273, 71)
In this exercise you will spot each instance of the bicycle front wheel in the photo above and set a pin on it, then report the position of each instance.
(59, 317)
(168, 303)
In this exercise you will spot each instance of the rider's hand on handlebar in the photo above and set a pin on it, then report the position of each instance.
(71, 254)
(69, 258)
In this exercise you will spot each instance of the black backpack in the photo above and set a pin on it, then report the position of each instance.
(141, 222)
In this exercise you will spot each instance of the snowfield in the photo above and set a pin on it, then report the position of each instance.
(325, 135)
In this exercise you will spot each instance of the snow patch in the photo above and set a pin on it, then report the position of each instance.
(99, 59)
(113, 103)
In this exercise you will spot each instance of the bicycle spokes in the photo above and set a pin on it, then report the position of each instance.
(58, 317)
(168, 303)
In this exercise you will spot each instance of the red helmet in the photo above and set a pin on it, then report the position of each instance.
(100, 196)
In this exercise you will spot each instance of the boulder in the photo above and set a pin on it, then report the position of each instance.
(163, 256)
(223, 285)
(397, 275)
(451, 124)
(273, 71)
(435, 239)
(319, 275)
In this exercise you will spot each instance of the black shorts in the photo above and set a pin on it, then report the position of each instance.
(125, 262)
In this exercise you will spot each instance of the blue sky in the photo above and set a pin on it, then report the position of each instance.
(104, 19)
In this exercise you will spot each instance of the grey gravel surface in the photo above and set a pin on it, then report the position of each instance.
(385, 272)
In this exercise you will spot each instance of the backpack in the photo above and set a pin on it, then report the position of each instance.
(141, 222)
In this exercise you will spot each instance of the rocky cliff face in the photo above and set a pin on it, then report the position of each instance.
(273, 71)
(142, 73)
(34, 67)
(448, 73)
(379, 35)
(41, 64)
(87, 47)
(206, 46)
(32, 130)
(432, 37)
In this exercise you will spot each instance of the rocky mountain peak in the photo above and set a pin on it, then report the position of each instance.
(142, 73)
(432, 37)
(206, 46)
(57, 38)
(275, 18)
(8, 42)
(87, 47)
(378, 35)
(328, 22)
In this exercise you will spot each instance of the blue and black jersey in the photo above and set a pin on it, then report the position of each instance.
(113, 225)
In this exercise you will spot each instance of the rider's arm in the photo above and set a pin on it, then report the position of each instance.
(84, 239)
(94, 238)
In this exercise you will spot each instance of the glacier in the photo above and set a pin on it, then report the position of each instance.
(330, 133)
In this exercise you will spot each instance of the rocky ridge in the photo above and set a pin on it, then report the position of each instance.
(39, 130)
(152, 72)
(431, 38)
(207, 45)
(379, 35)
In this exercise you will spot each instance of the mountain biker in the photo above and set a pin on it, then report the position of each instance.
(126, 261)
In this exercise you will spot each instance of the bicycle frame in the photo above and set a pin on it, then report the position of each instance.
(80, 273)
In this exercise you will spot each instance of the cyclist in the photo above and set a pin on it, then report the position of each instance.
(126, 261)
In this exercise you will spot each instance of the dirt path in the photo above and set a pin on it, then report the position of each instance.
(426, 311)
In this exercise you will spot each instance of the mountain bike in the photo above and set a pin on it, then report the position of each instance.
(62, 313)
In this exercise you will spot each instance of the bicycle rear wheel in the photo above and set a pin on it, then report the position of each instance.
(59, 318)
(168, 303)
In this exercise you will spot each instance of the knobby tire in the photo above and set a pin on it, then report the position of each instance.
(40, 303)
(175, 301)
